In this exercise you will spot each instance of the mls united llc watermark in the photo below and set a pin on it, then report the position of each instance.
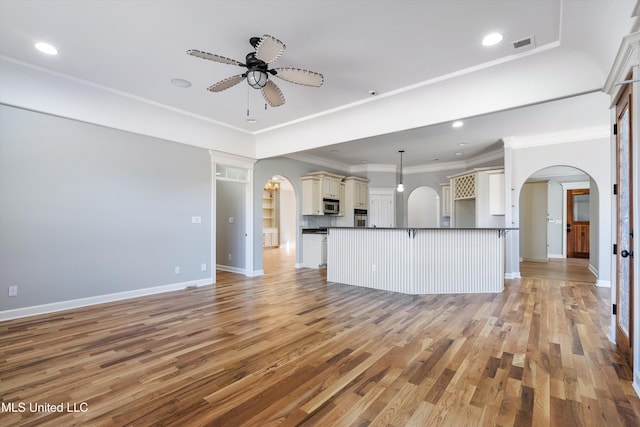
(22, 407)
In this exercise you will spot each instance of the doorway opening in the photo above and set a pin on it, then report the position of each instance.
(558, 215)
(423, 208)
(278, 225)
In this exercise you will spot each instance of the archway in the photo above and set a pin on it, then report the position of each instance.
(278, 223)
(554, 224)
(423, 208)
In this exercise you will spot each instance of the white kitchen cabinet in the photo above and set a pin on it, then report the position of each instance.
(317, 186)
(270, 237)
(477, 198)
(446, 199)
(496, 193)
(314, 250)
(311, 198)
(330, 187)
(356, 196)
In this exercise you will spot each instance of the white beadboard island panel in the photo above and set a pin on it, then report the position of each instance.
(418, 260)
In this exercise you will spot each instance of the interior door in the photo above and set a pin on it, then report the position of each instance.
(578, 223)
(624, 258)
(533, 221)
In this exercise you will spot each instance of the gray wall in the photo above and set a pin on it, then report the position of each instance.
(87, 210)
(231, 236)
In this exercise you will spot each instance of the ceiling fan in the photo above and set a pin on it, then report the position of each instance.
(267, 50)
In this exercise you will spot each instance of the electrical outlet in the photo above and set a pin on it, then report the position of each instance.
(229, 257)
(13, 291)
(203, 266)
(177, 269)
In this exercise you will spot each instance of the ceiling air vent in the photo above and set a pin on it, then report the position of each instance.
(525, 43)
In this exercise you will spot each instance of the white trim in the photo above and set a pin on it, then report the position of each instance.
(625, 60)
(576, 135)
(514, 275)
(231, 269)
(593, 270)
(319, 161)
(374, 168)
(603, 283)
(256, 273)
(299, 265)
(99, 299)
(555, 256)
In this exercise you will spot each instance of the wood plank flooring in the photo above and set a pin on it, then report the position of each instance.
(291, 349)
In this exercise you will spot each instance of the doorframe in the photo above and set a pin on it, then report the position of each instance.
(633, 164)
(233, 160)
(570, 186)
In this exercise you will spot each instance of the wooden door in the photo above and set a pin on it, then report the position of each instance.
(578, 223)
(624, 245)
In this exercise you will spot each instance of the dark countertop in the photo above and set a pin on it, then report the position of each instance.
(320, 230)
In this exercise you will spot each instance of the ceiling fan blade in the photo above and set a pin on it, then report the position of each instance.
(213, 57)
(269, 49)
(226, 83)
(272, 94)
(300, 76)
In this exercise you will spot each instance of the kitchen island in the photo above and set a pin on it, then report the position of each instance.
(418, 260)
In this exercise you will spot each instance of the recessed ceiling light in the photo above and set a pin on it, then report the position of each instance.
(363, 161)
(457, 124)
(46, 48)
(181, 82)
(373, 92)
(492, 39)
(459, 153)
(252, 121)
(462, 144)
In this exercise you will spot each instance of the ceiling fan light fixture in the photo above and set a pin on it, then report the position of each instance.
(257, 79)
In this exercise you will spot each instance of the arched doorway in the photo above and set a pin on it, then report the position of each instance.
(558, 215)
(423, 208)
(278, 224)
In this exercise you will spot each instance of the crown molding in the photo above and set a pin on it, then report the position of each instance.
(319, 161)
(231, 159)
(626, 59)
(374, 168)
(577, 135)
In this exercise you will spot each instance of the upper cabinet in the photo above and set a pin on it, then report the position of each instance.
(359, 191)
(477, 198)
(317, 186)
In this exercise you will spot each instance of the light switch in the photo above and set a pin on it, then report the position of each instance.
(196, 219)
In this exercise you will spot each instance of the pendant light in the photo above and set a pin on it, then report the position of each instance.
(400, 187)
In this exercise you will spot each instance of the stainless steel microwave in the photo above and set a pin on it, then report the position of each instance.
(330, 206)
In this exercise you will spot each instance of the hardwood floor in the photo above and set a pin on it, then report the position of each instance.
(290, 349)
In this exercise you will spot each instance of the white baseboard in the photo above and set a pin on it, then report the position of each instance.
(555, 256)
(514, 275)
(636, 386)
(256, 273)
(603, 283)
(230, 269)
(593, 270)
(299, 265)
(99, 299)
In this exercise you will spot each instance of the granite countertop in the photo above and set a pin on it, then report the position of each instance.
(320, 230)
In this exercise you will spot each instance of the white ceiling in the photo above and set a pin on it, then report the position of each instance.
(135, 48)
